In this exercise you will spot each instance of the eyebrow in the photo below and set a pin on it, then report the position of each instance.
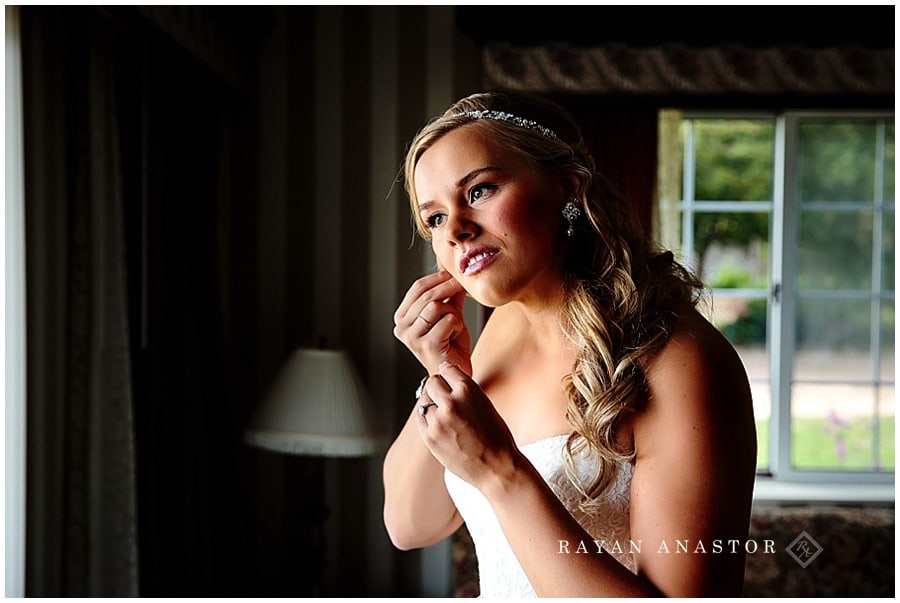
(474, 174)
(462, 182)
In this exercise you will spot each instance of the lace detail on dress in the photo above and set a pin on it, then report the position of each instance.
(500, 574)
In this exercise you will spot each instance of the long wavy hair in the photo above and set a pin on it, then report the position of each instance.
(623, 295)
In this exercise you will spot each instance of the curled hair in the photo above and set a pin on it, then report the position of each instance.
(623, 295)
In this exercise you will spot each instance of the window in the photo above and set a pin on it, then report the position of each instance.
(15, 371)
(789, 219)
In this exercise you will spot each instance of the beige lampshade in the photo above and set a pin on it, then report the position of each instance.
(317, 406)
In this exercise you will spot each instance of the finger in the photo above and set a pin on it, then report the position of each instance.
(434, 311)
(423, 408)
(416, 290)
(451, 375)
(445, 298)
(423, 294)
(424, 399)
(437, 387)
(438, 285)
(459, 298)
(443, 293)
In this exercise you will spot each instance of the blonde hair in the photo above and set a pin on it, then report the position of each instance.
(623, 295)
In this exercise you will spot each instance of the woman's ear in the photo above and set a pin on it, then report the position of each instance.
(571, 185)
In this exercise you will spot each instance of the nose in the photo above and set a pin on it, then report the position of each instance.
(460, 227)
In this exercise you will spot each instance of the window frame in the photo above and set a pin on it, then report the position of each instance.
(783, 482)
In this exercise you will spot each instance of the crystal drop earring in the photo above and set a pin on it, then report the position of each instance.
(571, 212)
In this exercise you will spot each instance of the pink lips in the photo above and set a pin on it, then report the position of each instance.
(476, 259)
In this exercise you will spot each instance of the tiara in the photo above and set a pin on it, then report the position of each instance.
(511, 119)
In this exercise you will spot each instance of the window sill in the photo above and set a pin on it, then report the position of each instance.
(774, 492)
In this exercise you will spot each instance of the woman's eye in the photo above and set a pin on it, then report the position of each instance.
(479, 192)
(435, 220)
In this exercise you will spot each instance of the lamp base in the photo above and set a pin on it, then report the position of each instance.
(305, 516)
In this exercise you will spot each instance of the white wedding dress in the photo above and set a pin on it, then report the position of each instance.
(500, 574)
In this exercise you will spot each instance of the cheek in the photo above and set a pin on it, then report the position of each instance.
(514, 220)
(531, 221)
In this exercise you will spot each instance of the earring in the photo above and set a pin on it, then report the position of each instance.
(571, 213)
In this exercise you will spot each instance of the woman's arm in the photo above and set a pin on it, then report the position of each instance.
(696, 465)
(418, 511)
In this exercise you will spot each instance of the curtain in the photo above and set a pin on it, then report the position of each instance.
(82, 536)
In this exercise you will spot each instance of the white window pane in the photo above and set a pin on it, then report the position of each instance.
(833, 340)
(835, 250)
(837, 161)
(732, 249)
(733, 159)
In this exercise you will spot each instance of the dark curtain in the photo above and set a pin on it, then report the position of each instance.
(141, 259)
(195, 371)
(81, 500)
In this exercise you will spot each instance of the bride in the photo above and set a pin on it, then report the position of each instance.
(600, 419)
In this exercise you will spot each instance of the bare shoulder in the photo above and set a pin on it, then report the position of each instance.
(699, 401)
(699, 371)
(699, 411)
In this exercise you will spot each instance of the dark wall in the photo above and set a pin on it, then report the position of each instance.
(695, 26)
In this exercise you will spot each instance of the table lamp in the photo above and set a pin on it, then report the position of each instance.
(317, 406)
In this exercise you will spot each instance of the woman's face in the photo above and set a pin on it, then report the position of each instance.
(495, 219)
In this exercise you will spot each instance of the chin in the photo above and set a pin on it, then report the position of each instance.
(490, 292)
(485, 298)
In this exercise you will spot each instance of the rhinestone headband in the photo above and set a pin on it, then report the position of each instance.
(511, 119)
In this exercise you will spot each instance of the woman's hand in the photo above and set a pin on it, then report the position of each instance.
(461, 428)
(429, 321)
